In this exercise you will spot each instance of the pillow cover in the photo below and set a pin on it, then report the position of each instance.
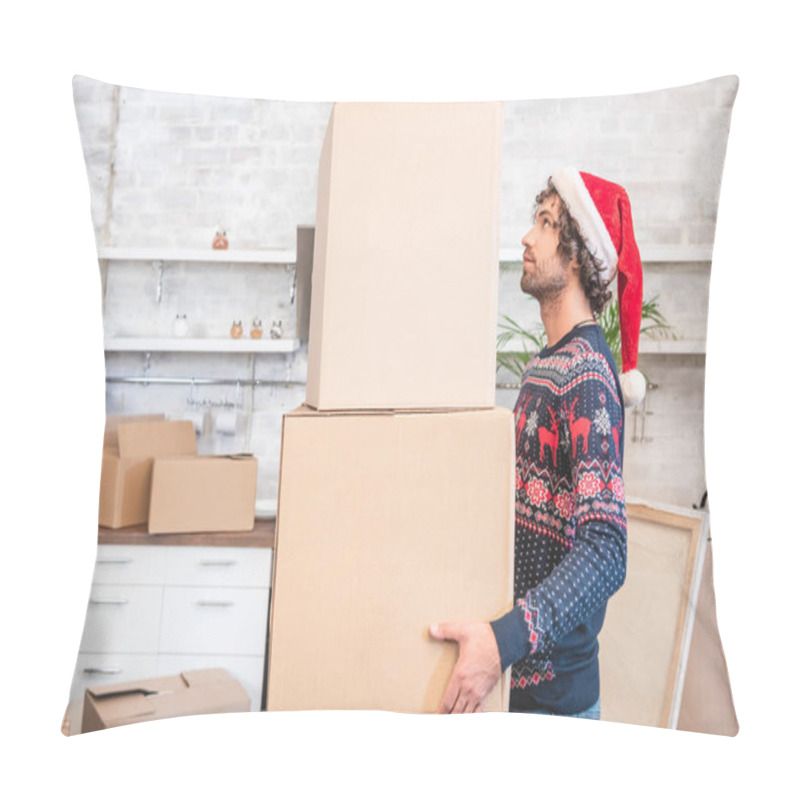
(204, 210)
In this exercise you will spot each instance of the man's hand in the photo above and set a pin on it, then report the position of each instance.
(477, 669)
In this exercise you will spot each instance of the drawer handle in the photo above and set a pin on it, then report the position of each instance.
(102, 601)
(102, 670)
(210, 562)
(114, 560)
(215, 602)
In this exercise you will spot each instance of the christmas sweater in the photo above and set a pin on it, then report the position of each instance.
(570, 541)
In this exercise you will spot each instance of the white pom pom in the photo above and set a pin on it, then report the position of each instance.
(634, 387)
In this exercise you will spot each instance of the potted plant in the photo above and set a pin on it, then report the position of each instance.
(527, 343)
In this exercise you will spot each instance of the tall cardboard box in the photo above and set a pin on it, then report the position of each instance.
(127, 466)
(204, 691)
(387, 523)
(406, 257)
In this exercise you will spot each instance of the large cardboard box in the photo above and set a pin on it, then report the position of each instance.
(127, 466)
(406, 257)
(387, 523)
(194, 494)
(205, 691)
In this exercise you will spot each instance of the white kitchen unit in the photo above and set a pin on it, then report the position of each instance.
(159, 609)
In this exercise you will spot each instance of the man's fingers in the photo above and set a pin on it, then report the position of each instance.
(461, 704)
(457, 699)
(445, 630)
(466, 703)
(473, 674)
(473, 707)
(449, 697)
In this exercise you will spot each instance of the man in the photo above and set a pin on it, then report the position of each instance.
(570, 544)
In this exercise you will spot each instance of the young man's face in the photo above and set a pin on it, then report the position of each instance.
(544, 271)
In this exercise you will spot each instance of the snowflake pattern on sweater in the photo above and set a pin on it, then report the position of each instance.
(570, 546)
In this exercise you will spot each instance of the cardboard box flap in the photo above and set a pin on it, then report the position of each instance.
(143, 439)
(144, 688)
(113, 421)
(164, 685)
(115, 692)
(203, 677)
(208, 691)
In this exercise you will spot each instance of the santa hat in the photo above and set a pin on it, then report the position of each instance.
(603, 211)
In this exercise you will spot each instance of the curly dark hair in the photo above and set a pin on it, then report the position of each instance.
(571, 245)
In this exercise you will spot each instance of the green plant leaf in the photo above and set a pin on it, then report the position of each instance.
(654, 326)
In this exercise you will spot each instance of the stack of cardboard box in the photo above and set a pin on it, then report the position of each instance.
(152, 474)
(396, 495)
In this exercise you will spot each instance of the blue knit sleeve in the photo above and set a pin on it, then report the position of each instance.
(511, 633)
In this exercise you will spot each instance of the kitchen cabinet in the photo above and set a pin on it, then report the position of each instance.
(160, 605)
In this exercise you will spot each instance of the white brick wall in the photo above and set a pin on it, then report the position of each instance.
(184, 164)
(187, 163)
(663, 146)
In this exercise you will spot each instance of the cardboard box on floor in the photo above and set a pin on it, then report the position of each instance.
(127, 465)
(194, 494)
(387, 523)
(406, 257)
(206, 691)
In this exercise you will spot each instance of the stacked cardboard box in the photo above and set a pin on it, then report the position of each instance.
(152, 473)
(395, 506)
(130, 445)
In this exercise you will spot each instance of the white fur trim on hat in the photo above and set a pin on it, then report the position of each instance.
(574, 193)
(634, 387)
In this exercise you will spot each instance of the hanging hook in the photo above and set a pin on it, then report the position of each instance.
(146, 367)
(158, 266)
(293, 289)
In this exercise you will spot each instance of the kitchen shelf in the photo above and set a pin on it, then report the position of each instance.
(268, 256)
(685, 347)
(176, 344)
(649, 254)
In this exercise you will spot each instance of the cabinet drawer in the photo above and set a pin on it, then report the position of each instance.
(214, 620)
(218, 566)
(122, 619)
(98, 669)
(129, 564)
(248, 670)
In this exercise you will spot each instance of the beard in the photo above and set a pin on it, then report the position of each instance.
(546, 281)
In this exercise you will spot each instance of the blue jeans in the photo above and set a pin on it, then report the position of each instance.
(593, 712)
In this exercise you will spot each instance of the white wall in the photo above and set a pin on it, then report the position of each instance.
(165, 170)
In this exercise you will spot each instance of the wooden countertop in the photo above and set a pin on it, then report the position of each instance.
(262, 535)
